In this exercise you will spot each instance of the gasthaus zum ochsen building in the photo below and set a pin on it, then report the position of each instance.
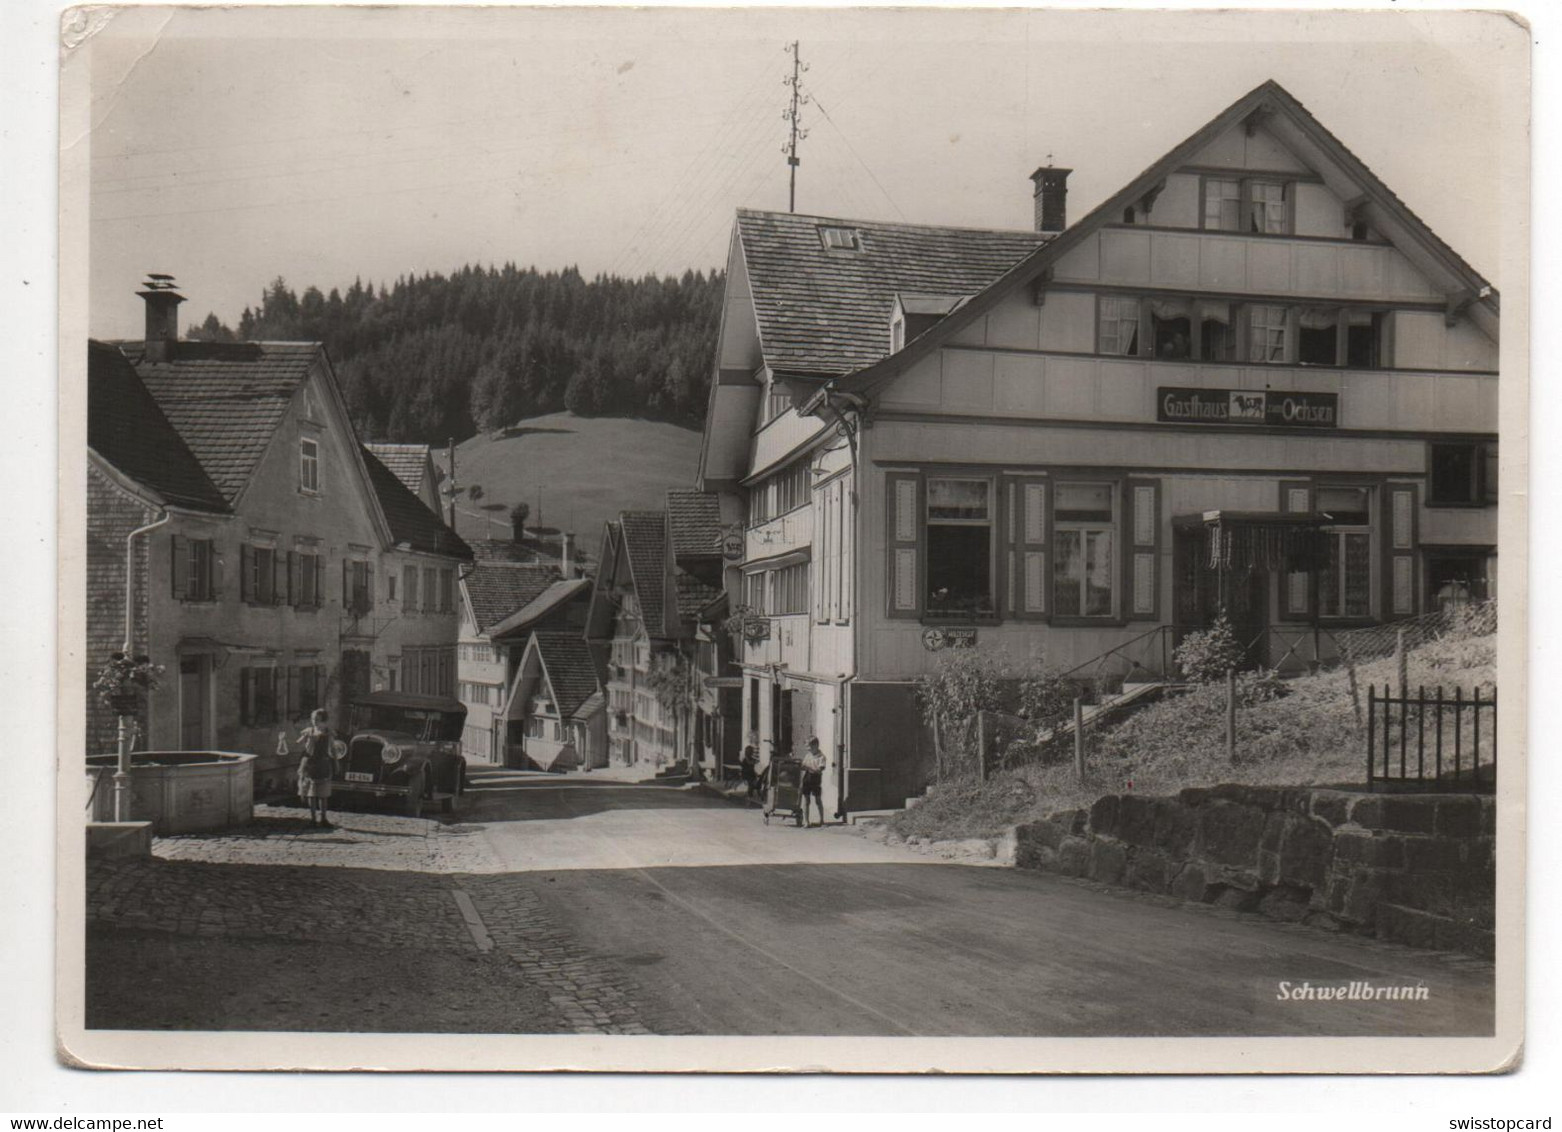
(1252, 379)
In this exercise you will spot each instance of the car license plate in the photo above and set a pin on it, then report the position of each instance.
(359, 776)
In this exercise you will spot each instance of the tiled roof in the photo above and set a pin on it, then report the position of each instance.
(408, 462)
(226, 399)
(693, 595)
(503, 550)
(126, 427)
(645, 540)
(694, 519)
(410, 520)
(571, 673)
(590, 706)
(498, 589)
(827, 311)
(539, 607)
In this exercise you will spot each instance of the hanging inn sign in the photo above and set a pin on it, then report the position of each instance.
(1247, 407)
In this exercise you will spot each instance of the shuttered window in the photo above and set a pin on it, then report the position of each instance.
(194, 569)
(1027, 573)
(1084, 547)
(262, 575)
(306, 579)
(903, 492)
(409, 589)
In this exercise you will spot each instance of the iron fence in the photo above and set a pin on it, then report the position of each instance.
(1462, 756)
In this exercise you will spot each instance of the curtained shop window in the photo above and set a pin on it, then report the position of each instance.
(1084, 530)
(1345, 583)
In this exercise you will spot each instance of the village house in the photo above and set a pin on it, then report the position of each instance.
(413, 465)
(503, 581)
(657, 605)
(556, 705)
(1250, 381)
(279, 566)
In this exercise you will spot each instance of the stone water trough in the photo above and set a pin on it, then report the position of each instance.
(178, 791)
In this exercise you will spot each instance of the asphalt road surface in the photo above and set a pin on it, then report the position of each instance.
(729, 926)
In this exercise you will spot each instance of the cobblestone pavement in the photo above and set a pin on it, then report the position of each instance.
(356, 839)
(373, 909)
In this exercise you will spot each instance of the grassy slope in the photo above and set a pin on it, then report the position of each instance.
(588, 470)
(1310, 736)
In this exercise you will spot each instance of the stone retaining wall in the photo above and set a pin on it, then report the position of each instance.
(1418, 869)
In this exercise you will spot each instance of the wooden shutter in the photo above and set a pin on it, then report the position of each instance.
(246, 695)
(1143, 558)
(1296, 497)
(295, 688)
(1027, 565)
(903, 544)
(368, 585)
(1399, 557)
(279, 578)
(214, 570)
(295, 584)
(180, 566)
(347, 584)
(319, 581)
(246, 572)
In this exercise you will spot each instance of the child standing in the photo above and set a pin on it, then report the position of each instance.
(314, 769)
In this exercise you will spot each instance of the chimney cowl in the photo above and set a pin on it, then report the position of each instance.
(1051, 197)
(161, 295)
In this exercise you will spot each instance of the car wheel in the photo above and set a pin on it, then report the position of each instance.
(415, 794)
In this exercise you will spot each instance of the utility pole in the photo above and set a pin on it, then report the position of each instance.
(799, 99)
(451, 488)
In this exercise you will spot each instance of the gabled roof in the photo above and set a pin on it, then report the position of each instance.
(570, 671)
(558, 593)
(410, 521)
(1269, 97)
(826, 311)
(694, 596)
(590, 706)
(226, 399)
(645, 542)
(694, 522)
(410, 463)
(496, 590)
(126, 427)
(502, 550)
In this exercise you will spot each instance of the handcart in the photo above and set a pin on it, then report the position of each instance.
(784, 789)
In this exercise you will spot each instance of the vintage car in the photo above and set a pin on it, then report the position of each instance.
(404, 746)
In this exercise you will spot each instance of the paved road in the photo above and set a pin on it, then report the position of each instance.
(737, 927)
(639, 906)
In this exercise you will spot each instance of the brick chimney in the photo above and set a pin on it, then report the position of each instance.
(1051, 198)
(162, 299)
(567, 555)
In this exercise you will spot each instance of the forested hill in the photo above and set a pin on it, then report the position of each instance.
(436, 356)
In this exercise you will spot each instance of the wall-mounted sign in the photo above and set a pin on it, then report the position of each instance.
(1247, 406)
(936, 637)
(732, 544)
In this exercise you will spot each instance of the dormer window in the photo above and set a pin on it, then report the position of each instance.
(840, 239)
(897, 335)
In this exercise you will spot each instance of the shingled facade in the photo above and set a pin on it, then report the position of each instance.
(1030, 441)
(275, 574)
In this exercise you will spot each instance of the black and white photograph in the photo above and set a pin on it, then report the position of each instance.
(899, 540)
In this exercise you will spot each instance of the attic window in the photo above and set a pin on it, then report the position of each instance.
(840, 239)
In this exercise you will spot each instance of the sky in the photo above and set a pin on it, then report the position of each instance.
(229, 147)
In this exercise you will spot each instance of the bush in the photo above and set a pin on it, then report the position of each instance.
(1207, 655)
(965, 682)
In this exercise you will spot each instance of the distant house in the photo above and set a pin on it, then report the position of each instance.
(413, 465)
(557, 700)
(655, 607)
(493, 588)
(269, 548)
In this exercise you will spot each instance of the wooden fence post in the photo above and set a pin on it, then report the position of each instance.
(981, 745)
(1079, 739)
(1401, 662)
(1231, 715)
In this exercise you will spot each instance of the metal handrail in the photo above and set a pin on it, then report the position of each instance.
(1098, 661)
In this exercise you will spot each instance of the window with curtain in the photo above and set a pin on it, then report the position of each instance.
(1171, 328)
(1364, 339)
(1345, 584)
(1222, 204)
(1266, 211)
(1119, 323)
(959, 546)
(1217, 331)
(1266, 333)
(1317, 336)
(1084, 528)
